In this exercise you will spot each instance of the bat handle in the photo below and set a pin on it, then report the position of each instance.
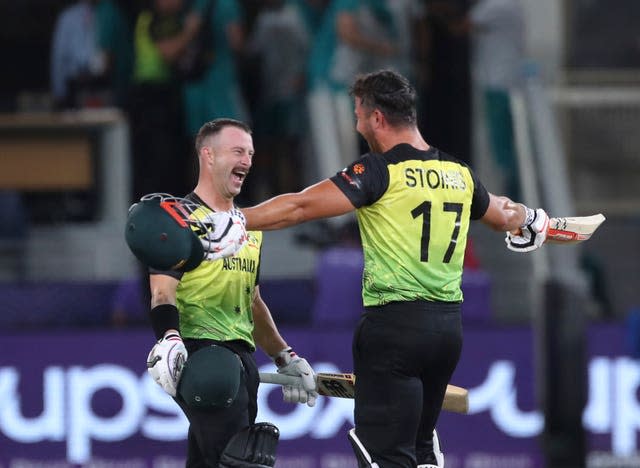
(280, 379)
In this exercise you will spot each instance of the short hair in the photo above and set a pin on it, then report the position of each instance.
(214, 127)
(389, 92)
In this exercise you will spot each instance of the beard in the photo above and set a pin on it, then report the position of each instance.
(367, 135)
(374, 146)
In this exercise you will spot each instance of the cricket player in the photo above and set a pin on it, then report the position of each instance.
(209, 316)
(413, 204)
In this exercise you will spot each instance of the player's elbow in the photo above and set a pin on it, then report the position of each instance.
(160, 296)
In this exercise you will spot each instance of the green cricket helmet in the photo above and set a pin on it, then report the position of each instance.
(163, 231)
(210, 378)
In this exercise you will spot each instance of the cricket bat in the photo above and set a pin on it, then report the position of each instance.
(456, 399)
(573, 229)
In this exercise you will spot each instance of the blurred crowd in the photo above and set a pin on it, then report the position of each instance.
(284, 66)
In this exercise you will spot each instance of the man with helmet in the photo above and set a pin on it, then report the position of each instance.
(208, 317)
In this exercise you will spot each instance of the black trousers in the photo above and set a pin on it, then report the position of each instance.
(210, 431)
(404, 354)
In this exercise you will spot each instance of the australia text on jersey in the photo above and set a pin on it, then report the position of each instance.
(239, 264)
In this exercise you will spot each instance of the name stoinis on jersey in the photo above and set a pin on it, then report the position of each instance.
(239, 264)
(434, 178)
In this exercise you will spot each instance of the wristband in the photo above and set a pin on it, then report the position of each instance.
(164, 317)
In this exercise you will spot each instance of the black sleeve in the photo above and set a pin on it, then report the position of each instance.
(480, 200)
(364, 181)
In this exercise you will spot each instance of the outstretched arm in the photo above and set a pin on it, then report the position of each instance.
(503, 214)
(322, 200)
(526, 228)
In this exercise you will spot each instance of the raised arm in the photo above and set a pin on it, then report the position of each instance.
(322, 200)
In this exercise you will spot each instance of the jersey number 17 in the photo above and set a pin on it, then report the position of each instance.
(424, 210)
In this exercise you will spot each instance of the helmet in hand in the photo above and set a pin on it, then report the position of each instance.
(162, 232)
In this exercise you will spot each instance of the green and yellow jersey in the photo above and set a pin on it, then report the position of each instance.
(215, 299)
(413, 209)
(149, 66)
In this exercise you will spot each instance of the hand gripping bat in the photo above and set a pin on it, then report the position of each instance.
(343, 386)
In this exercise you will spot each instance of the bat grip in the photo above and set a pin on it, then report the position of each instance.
(280, 379)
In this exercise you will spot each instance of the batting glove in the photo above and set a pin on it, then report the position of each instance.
(166, 360)
(533, 232)
(228, 235)
(289, 363)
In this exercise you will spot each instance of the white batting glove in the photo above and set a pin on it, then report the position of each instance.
(533, 232)
(289, 363)
(166, 360)
(228, 235)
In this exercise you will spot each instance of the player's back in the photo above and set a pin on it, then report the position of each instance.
(414, 234)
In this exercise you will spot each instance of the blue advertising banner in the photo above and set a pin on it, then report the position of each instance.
(85, 399)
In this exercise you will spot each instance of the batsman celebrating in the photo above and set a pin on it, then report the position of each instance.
(414, 204)
(209, 316)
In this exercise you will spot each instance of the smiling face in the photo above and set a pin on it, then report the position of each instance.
(231, 155)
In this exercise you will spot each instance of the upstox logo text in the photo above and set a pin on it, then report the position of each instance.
(68, 411)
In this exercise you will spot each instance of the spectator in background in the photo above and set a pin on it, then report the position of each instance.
(158, 138)
(408, 18)
(445, 117)
(218, 92)
(498, 38)
(354, 36)
(280, 41)
(76, 63)
(114, 21)
(312, 12)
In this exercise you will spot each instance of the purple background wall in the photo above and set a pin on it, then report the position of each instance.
(84, 398)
